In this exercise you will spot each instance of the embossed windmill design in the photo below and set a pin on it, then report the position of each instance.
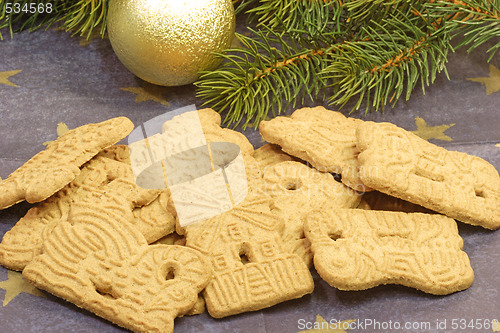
(24, 241)
(99, 261)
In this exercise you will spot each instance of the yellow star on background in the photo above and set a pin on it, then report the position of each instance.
(14, 285)
(61, 129)
(492, 83)
(4, 77)
(495, 326)
(322, 326)
(497, 145)
(148, 92)
(431, 132)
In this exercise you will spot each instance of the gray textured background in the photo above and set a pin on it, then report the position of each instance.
(62, 81)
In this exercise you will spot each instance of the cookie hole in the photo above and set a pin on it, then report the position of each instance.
(335, 235)
(170, 273)
(479, 192)
(293, 185)
(244, 254)
(244, 258)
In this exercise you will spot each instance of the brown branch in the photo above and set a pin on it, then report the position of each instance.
(479, 11)
(288, 62)
(401, 57)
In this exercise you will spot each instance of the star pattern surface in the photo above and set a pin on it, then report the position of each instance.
(322, 326)
(148, 92)
(4, 77)
(431, 132)
(15, 285)
(492, 82)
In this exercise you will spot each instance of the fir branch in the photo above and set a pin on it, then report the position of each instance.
(367, 10)
(80, 17)
(22, 20)
(83, 16)
(259, 78)
(371, 52)
(392, 59)
(298, 15)
(474, 21)
(241, 5)
(375, 64)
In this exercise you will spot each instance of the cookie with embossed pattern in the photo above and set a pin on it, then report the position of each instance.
(211, 124)
(326, 139)
(252, 270)
(297, 190)
(401, 164)
(156, 219)
(152, 213)
(100, 262)
(51, 169)
(270, 154)
(118, 153)
(176, 239)
(357, 249)
(376, 200)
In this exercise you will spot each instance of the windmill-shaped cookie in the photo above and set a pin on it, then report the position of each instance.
(100, 262)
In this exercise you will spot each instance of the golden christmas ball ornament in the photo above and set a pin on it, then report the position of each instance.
(167, 42)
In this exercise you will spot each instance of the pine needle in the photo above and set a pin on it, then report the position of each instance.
(367, 53)
(80, 17)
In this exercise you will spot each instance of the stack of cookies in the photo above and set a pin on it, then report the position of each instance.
(357, 200)
(416, 190)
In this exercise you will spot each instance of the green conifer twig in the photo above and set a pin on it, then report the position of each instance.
(276, 74)
(80, 17)
(474, 21)
(389, 60)
(369, 52)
